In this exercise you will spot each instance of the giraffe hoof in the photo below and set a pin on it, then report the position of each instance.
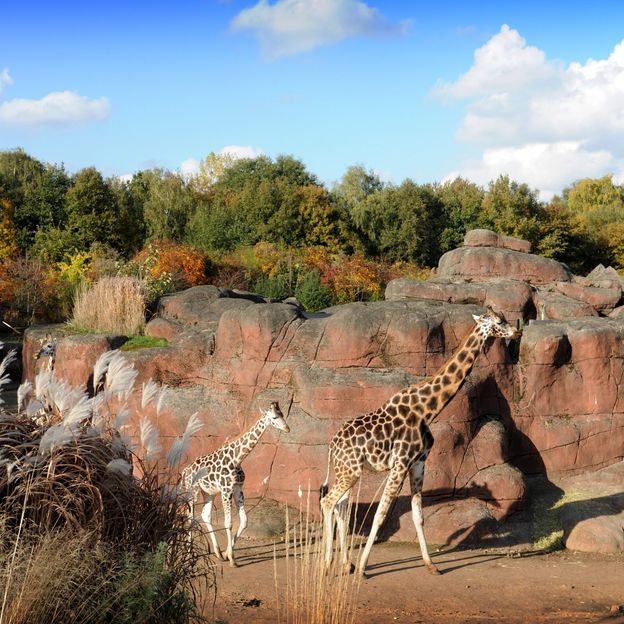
(233, 563)
(362, 574)
(433, 570)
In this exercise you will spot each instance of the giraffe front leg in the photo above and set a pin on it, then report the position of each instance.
(416, 480)
(226, 500)
(390, 492)
(207, 518)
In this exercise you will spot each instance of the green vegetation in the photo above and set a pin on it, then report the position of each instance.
(143, 342)
(58, 231)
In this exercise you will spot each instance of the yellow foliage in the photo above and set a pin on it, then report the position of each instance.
(8, 232)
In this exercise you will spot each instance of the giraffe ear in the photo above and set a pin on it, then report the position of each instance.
(476, 318)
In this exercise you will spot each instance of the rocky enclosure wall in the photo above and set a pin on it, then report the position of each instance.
(548, 405)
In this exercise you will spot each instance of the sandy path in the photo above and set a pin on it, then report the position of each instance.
(475, 586)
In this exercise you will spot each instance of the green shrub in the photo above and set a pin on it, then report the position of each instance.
(312, 293)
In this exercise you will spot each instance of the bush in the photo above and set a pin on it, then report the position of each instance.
(312, 293)
(27, 292)
(113, 305)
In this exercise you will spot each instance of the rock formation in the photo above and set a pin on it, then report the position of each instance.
(550, 406)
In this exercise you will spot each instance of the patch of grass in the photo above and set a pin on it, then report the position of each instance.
(143, 342)
(546, 509)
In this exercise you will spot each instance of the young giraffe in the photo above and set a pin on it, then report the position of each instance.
(396, 438)
(48, 350)
(220, 471)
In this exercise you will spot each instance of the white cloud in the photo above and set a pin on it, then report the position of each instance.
(5, 79)
(61, 108)
(546, 166)
(542, 122)
(242, 151)
(290, 27)
(189, 167)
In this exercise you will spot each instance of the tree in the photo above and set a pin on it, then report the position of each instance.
(211, 170)
(462, 201)
(91, 210)
(130, 198)
(513, 209)
(597, 202)
(356, 185)
(36, 191)
(404, 223)
(168, 205)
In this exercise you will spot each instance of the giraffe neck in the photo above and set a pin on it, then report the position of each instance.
(449, 379)
(244, 444)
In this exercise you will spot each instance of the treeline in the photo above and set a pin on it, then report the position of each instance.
(48, 213)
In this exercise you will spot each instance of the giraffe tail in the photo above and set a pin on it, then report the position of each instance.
(325, 486)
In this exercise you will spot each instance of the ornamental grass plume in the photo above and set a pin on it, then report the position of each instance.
(91, 530)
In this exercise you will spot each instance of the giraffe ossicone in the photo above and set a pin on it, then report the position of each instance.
(220, 472)
(396, 438)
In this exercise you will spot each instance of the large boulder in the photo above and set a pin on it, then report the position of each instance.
(512, 297)
(483, 263)
(488, 238)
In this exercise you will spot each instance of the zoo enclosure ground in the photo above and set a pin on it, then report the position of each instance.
(476, 586)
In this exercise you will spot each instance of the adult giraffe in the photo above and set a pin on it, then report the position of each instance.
(396, 438)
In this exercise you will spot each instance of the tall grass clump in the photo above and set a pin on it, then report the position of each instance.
(111, 305)
(92, 526)
(312, 594)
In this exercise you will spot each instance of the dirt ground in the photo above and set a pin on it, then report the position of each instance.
(475, 586)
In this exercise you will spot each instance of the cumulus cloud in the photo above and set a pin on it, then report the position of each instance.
(242, 151)
(60, 108)
(189, 167)
(290, 27)
(546, 166)
(5, 79)
(537, 119)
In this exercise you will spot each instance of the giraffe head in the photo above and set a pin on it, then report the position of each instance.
(48, 347)
(275, 417)
(495, 325)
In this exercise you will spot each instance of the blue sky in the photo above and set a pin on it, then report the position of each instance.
(409, 89)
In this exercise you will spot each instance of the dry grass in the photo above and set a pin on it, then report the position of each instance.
(112, 305)
(312, 594)
(91, 528)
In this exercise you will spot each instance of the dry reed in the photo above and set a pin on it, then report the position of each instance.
(311, 593)
(111, 305)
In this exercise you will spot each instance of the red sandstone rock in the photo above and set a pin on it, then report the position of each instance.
(559, 410)
(487, 238)
(602, 299)
(558, 307)
(485, 263)
(511, 297)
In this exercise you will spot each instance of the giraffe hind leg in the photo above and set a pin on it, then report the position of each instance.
(207, 518)
(416, 480)
(226, 501)
(339, 489)
(390, 492)
(341, 511)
